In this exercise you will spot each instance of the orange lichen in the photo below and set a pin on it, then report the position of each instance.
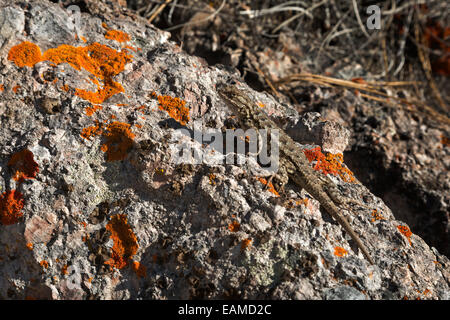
(64, 269)
(91, 110)
(141, 109)
(234, 226)
(376, 215)
(445, 141)
(25, 54)
(212, 179)
(65, 53)
(11, 205)
(340, 252)
(101, 61)
(139, 269)
(125, 242)
(117, 35)
(119, 140)
(406, 232)
(426, 292)
(16, 88)
(111, 88)
(2, 87)
(175, 107)
(131, 48)
(65, 88)
(359, 80)
(92, 131)
(29, 246)
(269, 185)
(44, 264)
(295, 203)
(329, 164)
(246, 243)
(23, 165)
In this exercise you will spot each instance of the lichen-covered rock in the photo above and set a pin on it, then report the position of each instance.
(109, 214)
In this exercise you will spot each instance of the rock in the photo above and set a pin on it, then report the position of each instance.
(311, 129)
(112, 215)
(344, 293)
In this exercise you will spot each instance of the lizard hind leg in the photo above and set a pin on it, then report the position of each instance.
(281, 177)
(278, 179)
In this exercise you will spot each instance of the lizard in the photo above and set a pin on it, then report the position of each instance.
(292, 160)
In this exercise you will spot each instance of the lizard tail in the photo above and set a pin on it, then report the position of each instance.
(343, 222)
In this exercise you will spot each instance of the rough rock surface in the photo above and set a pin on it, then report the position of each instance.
(402, 156)
(399, 151)
(103, 212)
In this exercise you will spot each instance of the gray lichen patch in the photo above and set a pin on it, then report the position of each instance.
(209, 231)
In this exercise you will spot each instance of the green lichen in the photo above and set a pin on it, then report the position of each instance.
(266, 263)
(88, 182)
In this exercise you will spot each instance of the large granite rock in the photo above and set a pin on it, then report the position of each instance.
(93, 204)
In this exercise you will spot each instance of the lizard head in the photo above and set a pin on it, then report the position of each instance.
(239, 103)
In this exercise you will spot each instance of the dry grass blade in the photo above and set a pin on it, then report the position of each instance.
(280, 8)
(365, 85)
(372, 87)
(267, 80)
(158, 11)
(361, 25)
(307, 12)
